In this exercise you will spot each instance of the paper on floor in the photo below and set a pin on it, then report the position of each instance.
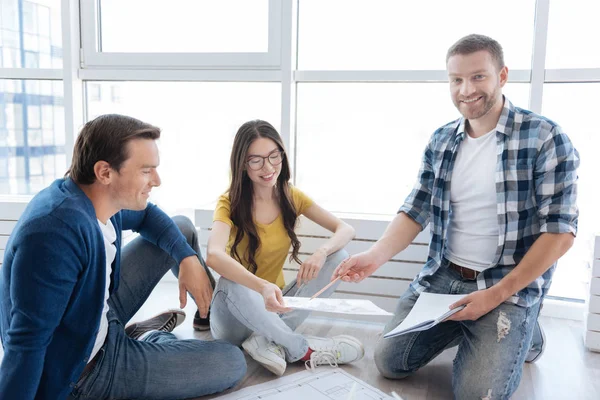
(341, 306)
(326, 384)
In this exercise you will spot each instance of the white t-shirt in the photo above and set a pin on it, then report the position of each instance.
(110, 235)
(472, 237)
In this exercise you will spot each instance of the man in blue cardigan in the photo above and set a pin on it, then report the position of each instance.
(67, 290)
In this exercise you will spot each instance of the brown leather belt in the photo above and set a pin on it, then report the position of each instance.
(89, 367)
(465, 273)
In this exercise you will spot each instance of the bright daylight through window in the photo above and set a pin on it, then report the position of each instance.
(356, 88)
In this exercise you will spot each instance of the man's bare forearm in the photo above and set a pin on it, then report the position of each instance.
(397, 236)
(546, 250)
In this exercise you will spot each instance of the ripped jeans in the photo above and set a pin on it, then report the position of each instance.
(491, 350)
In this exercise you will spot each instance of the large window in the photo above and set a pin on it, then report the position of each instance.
(411, 35)
(573, 33)
(370, 94)
(185, 26)
(30, 34)
(356, 88)
(182, 33)
(198, 122)
(32, 128)
(359, 145)
(578, 120)
(32, 142)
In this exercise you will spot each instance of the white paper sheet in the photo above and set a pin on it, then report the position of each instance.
(325, 384)
(341, 306)
(429, 310)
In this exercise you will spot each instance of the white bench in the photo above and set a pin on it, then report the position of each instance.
(10, 211)
(592, 317)
(383, 288)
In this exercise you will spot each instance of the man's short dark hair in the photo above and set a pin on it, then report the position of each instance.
(105, 138)
(474, 43)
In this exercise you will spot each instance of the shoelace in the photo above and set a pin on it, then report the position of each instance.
(321, 357)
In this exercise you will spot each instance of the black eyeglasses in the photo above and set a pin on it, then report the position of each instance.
(257, 162)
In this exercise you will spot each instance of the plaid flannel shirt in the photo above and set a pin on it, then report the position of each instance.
(536, 191)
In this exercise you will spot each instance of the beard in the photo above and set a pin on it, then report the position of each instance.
(489, 100)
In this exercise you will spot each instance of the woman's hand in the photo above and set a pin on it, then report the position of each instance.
(273, 298)
(311, 267)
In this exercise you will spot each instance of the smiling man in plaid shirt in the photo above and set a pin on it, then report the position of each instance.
(498, 189)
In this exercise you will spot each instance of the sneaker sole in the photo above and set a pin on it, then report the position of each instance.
(537, 357)
(265, 362)
(201, 328)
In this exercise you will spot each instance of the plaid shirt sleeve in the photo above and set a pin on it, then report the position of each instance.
(555, 178)
(418, 203)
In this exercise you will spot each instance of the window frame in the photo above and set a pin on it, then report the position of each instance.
(82, 62)
(92, 57)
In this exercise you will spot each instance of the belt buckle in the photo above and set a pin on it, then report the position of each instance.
(471, 274)
(465, 273)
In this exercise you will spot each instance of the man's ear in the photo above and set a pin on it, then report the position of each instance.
(103, 172)
(503, 76)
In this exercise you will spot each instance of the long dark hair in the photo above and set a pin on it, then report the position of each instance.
(241, 192)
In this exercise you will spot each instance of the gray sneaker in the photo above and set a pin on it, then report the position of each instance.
(164, 322)
(538, 344)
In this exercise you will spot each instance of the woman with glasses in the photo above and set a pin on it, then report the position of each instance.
(252, 232)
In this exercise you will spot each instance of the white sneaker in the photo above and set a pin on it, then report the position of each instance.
(267, 353)
(342, 349)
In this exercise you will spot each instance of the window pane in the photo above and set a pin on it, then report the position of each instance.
(391, 34)
(32, 136)
(573, 33)
(30, 35)
(198, 122)
(359, 145)
(579, 122)
(185, 26)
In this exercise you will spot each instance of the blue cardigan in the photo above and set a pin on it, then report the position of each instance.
(52, 287)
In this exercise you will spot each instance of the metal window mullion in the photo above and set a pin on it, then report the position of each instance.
(30, 73)
(538, 60)
(95, 58)
(72, 85)
(379, 76)
(188, 75)
(277, 36)
(89, 22)
(574, 75)
(287, 81)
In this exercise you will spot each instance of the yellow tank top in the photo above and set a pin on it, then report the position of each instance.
(274, 240)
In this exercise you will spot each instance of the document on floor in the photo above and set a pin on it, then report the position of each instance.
(429, 310)
(327, 384)
(341, 306)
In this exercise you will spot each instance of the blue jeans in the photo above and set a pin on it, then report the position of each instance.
(491, 350)
(236, 311)
(161, 366)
